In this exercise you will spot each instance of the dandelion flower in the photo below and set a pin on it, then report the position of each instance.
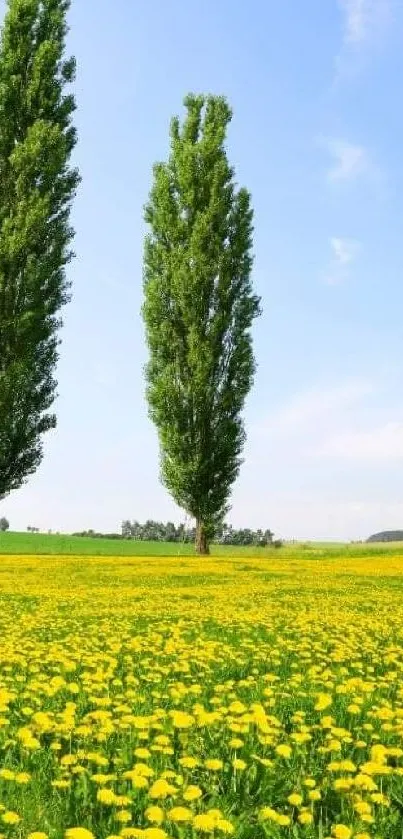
(192, 793)
(9, 817)
(78, 833)
(180, 814)
(283, 750)
(155, 814)
(295, 799)
(213, 764)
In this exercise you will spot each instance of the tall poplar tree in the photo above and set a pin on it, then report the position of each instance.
(37, 185)
(198, 310)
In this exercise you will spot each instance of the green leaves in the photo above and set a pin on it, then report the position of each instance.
(38, 184)
(198, 310)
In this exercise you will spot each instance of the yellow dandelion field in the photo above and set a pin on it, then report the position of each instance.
(201, 698)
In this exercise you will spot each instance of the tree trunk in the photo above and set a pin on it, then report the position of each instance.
(201, 545)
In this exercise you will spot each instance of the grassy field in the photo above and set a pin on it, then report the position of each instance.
(63, 545)
(202, 698)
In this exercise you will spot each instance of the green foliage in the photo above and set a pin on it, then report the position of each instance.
(157, 531)
(37, 186)
(198, 310)
(4, 524)
(387, 536)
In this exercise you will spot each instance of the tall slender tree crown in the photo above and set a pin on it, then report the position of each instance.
(37, 185)
(198, 310)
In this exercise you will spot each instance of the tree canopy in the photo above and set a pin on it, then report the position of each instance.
(198, 310)
(37, 187)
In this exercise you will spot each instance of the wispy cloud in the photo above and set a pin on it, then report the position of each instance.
(344, 252)
(365, 25)
(382, 443)
(317, 406)
(349, 161)
(363, 20)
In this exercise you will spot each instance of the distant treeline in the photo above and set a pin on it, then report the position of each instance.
(387, 536)
(157, 531)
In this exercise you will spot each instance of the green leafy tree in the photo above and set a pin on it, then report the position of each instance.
(198, 310)
(4, 524)
(37, 185)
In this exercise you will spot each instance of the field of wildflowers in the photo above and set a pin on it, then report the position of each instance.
(192, 699)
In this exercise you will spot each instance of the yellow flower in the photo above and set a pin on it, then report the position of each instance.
(362, 807)
(7, 775)
(239, 764)
(341, 831)
(380, 798)
(143, 769)
(364, 782)
(204, 822)
(78, 833)
(106, 796)
(324, 700)
(142, 754)
(162, 789)
(283, 820)
(181, 719)
(213, 764)
(122, 800)
(225, 826)
(236, 743)
(155, 814)
(343, 784)
(347, 766)
(305, 818)
(283, 750)
(192, 793)
(154, 833)
(367, 818)
(139, 781)
(123, 816)
(68, 760)
(180, 814)
(9, 817)
(188, 762)
(37, 834)
(268, 814)
(295, 799)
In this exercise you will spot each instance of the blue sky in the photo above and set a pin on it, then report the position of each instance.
(317, 138)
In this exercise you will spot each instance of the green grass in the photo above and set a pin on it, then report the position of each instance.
(52, 544)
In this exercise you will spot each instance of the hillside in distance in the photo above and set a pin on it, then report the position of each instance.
(387, 536)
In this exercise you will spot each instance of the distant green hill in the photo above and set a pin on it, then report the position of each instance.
(387, 536)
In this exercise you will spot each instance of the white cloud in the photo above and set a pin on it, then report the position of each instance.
(344, 250)
(365, 24)
(312, 468)
(382, 443)
(316, 406)
(344, 253)
(364, 20)
(349, 161)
